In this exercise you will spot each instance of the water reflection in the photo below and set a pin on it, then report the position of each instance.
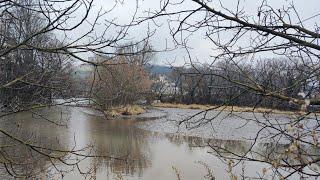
(28, 129)
(119, 138)
(145, 155)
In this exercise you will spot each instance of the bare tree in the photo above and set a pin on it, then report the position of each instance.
(43, 73)
(123, 80)
(237, 37)
(38, 44)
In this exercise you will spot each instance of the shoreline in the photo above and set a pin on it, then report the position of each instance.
(225, 108)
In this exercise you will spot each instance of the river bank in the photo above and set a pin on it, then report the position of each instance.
(224, 108)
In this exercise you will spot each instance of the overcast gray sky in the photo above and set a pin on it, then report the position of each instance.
(202, 48)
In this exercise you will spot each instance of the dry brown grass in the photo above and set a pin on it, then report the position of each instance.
(223, 108)
(182, 106)
(126, 110)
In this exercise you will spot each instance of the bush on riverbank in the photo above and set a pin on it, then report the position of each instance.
(128, 110)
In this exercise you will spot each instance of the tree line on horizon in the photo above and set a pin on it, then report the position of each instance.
(214, 84)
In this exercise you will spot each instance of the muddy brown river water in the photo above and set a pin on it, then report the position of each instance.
(152, 149)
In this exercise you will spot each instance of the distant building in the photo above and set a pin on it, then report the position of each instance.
(166, 86)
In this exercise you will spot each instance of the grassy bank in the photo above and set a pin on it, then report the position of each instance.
(125, 110)
(223, 108)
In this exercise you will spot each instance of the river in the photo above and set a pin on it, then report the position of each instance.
(146, 146)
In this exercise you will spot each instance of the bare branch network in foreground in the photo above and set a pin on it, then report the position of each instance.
(35, 70)
(38, 47)
(291, 77)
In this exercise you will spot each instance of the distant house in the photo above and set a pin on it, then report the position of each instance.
(166, 86)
